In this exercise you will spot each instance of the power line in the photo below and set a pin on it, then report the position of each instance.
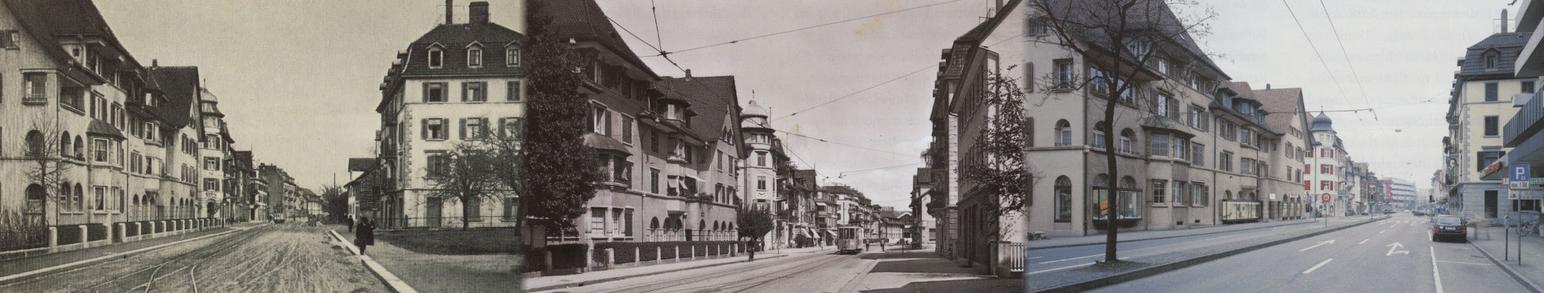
(844, 144)
(844, 173)
(735, 41)
(1354, 75)
(1315, 48)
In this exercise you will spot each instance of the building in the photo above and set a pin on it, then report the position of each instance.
(244, 187)
(1402, 193)
(1486, 93)
(923, 226)
(803, 208)
(459, 82)
(766, 173)
(1327, 176)
(1519, 132)
(214, 149)
(1286, 143)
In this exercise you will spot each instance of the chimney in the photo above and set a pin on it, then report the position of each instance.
(450, 8)
(1267, 86)
(478, 12)
(1503, 21)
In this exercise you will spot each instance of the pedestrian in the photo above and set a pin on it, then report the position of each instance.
(750, 249)
(364, 235)
(882, 245)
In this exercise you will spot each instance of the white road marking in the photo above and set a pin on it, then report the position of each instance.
(1379, 231)
(1464, 262)
(1036, 257)
(1068, 267)
(1321, 243)
(1363, 241)
(1394, 249)
(1067, 259)
(1316, 267)
(1435, 275)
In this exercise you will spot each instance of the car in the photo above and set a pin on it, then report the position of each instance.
(1418, 212)
(1388, 211)
(1449, 227)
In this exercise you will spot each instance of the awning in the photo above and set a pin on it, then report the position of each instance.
(605, 144)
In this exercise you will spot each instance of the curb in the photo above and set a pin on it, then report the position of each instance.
(1162, 237)
(1508, 268)
(598, 281)
(396, 284)
(1158, 269)
(13, 278)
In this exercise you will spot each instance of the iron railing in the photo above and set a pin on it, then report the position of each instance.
(1013, 255)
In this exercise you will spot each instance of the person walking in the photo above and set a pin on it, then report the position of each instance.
(364, 235)
(750, 249)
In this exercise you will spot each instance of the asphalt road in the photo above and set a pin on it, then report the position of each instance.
(283, 258)
(826, 272)
(1392, 255)
(1062, 258)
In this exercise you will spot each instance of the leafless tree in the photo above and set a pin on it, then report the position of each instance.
(466, 176)
(1121, 38)
(46, 152)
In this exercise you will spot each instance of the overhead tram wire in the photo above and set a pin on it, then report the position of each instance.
(1354, 75)
(1316, 53)
(843, 144)
(897, 78)
(735, 41)
(844, 173)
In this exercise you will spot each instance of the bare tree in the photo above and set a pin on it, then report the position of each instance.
(1118, 37)
(466, 176)
(46, 151)
(1005, 141)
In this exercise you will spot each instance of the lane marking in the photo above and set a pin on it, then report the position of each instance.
(1379, 231)
(1036, 257)
(1363, 241)
(1321, 243)
(1394, 249)
(1316, 267)
(1435, 274)
(1466, 263)
(1067, 259)
(1069, 267)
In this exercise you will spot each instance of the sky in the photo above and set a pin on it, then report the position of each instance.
(297, 80)
(883, 127)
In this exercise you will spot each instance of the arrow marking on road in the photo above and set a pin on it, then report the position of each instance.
(1316, 267)
(1394, 249)
(1321, 243)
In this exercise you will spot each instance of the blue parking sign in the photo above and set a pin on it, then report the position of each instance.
(1520, 172)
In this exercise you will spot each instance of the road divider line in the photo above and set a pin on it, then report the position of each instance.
(1068, 267)
(1321, 264)
(1321, 243)
(1435, 274)
(1363, 241)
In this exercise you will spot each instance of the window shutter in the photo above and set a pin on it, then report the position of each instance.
(462, 134)
(464, 88)
(426, 92)
(423, 128)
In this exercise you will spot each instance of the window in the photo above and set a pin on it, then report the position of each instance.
(1246, 166)
(1181, 148)
(653, 180)
(475, 92)
(1181, 192)
(434, 92)
(1248, 137)
(1160, 145)
(1099, 130)
(1125, 141)
(1035, 27)
(1490, 92)
(1491, 60)
(600, 120)
(1162, 102)
(211, 184)
(1063, 199)
(1063, 69)
(761, 159)
(1199, 194)
(1197, 154)
(512, 127)
(1326, 169)
(9, 39)
(1163, 65)
(761, 183)
(1492, 124)
(211, 163)
(436, 58)
(1485, 158)
(438, 163)
(1326, 185)
(511, 57)
(1225, 161)
(474, 57)
(1159, 187)
(514, 91)
(434, 129)
(35, 87)
(1527, 87)
(1193, 118)
(100, 147)
(597, 220)
(1063, 133)
(627, 129)
(474, 128)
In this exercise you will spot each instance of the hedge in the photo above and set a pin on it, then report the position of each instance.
(68, 234)
(96, 232)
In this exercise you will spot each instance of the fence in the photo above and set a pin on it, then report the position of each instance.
(443, 222)
(1013, 254)
(48, 239)
(647, 235)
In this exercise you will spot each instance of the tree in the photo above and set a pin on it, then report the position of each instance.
(465, 176)
(47, 146)
(335, 201)
(1125, 31)
(1006, 140)
(754, 223)
(559, 171)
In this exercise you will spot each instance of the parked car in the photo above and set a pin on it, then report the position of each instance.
(1443, 227)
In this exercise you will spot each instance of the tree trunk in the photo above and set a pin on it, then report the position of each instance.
(466, 214)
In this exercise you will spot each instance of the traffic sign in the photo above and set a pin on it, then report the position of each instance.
(1325, 197)
(1520, 176)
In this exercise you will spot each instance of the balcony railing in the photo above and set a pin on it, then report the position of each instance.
(1013, 254)
(1526, 122)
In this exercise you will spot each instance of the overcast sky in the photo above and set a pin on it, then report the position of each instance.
(297, 80)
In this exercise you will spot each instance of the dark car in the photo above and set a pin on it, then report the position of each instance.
(1448, 227)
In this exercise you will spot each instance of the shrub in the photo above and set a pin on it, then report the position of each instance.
(18, 233)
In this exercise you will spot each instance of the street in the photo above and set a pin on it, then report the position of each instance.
(270, 258)
(1061, 258)
(1392, 255)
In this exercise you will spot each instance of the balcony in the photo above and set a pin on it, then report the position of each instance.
(1525, 123)
(1528, 20)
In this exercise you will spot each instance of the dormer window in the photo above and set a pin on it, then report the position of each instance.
(474, 56)
(436, 58)
(1491, 59)
(512, 57)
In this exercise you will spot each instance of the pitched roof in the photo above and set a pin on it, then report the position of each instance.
(583, 20)
(1281, 106)
(712, 97)
(361, 164)
(966, 43)
(1087, 14)
(454, 40)
(1507, 46)
(180, 85)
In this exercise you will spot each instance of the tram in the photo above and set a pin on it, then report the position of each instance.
(849, 239)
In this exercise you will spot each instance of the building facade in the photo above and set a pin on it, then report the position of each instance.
(458, 83)
(1486, 93)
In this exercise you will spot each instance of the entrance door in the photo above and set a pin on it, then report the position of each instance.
(1490, 203)
(432, 214)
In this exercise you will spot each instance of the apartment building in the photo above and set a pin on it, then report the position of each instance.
(1486, 93)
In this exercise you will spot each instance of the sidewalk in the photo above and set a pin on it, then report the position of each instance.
(32, 263)
(925, 271)
(589, 278)
(1490, 242)
(1165, 234)
(444, 272)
